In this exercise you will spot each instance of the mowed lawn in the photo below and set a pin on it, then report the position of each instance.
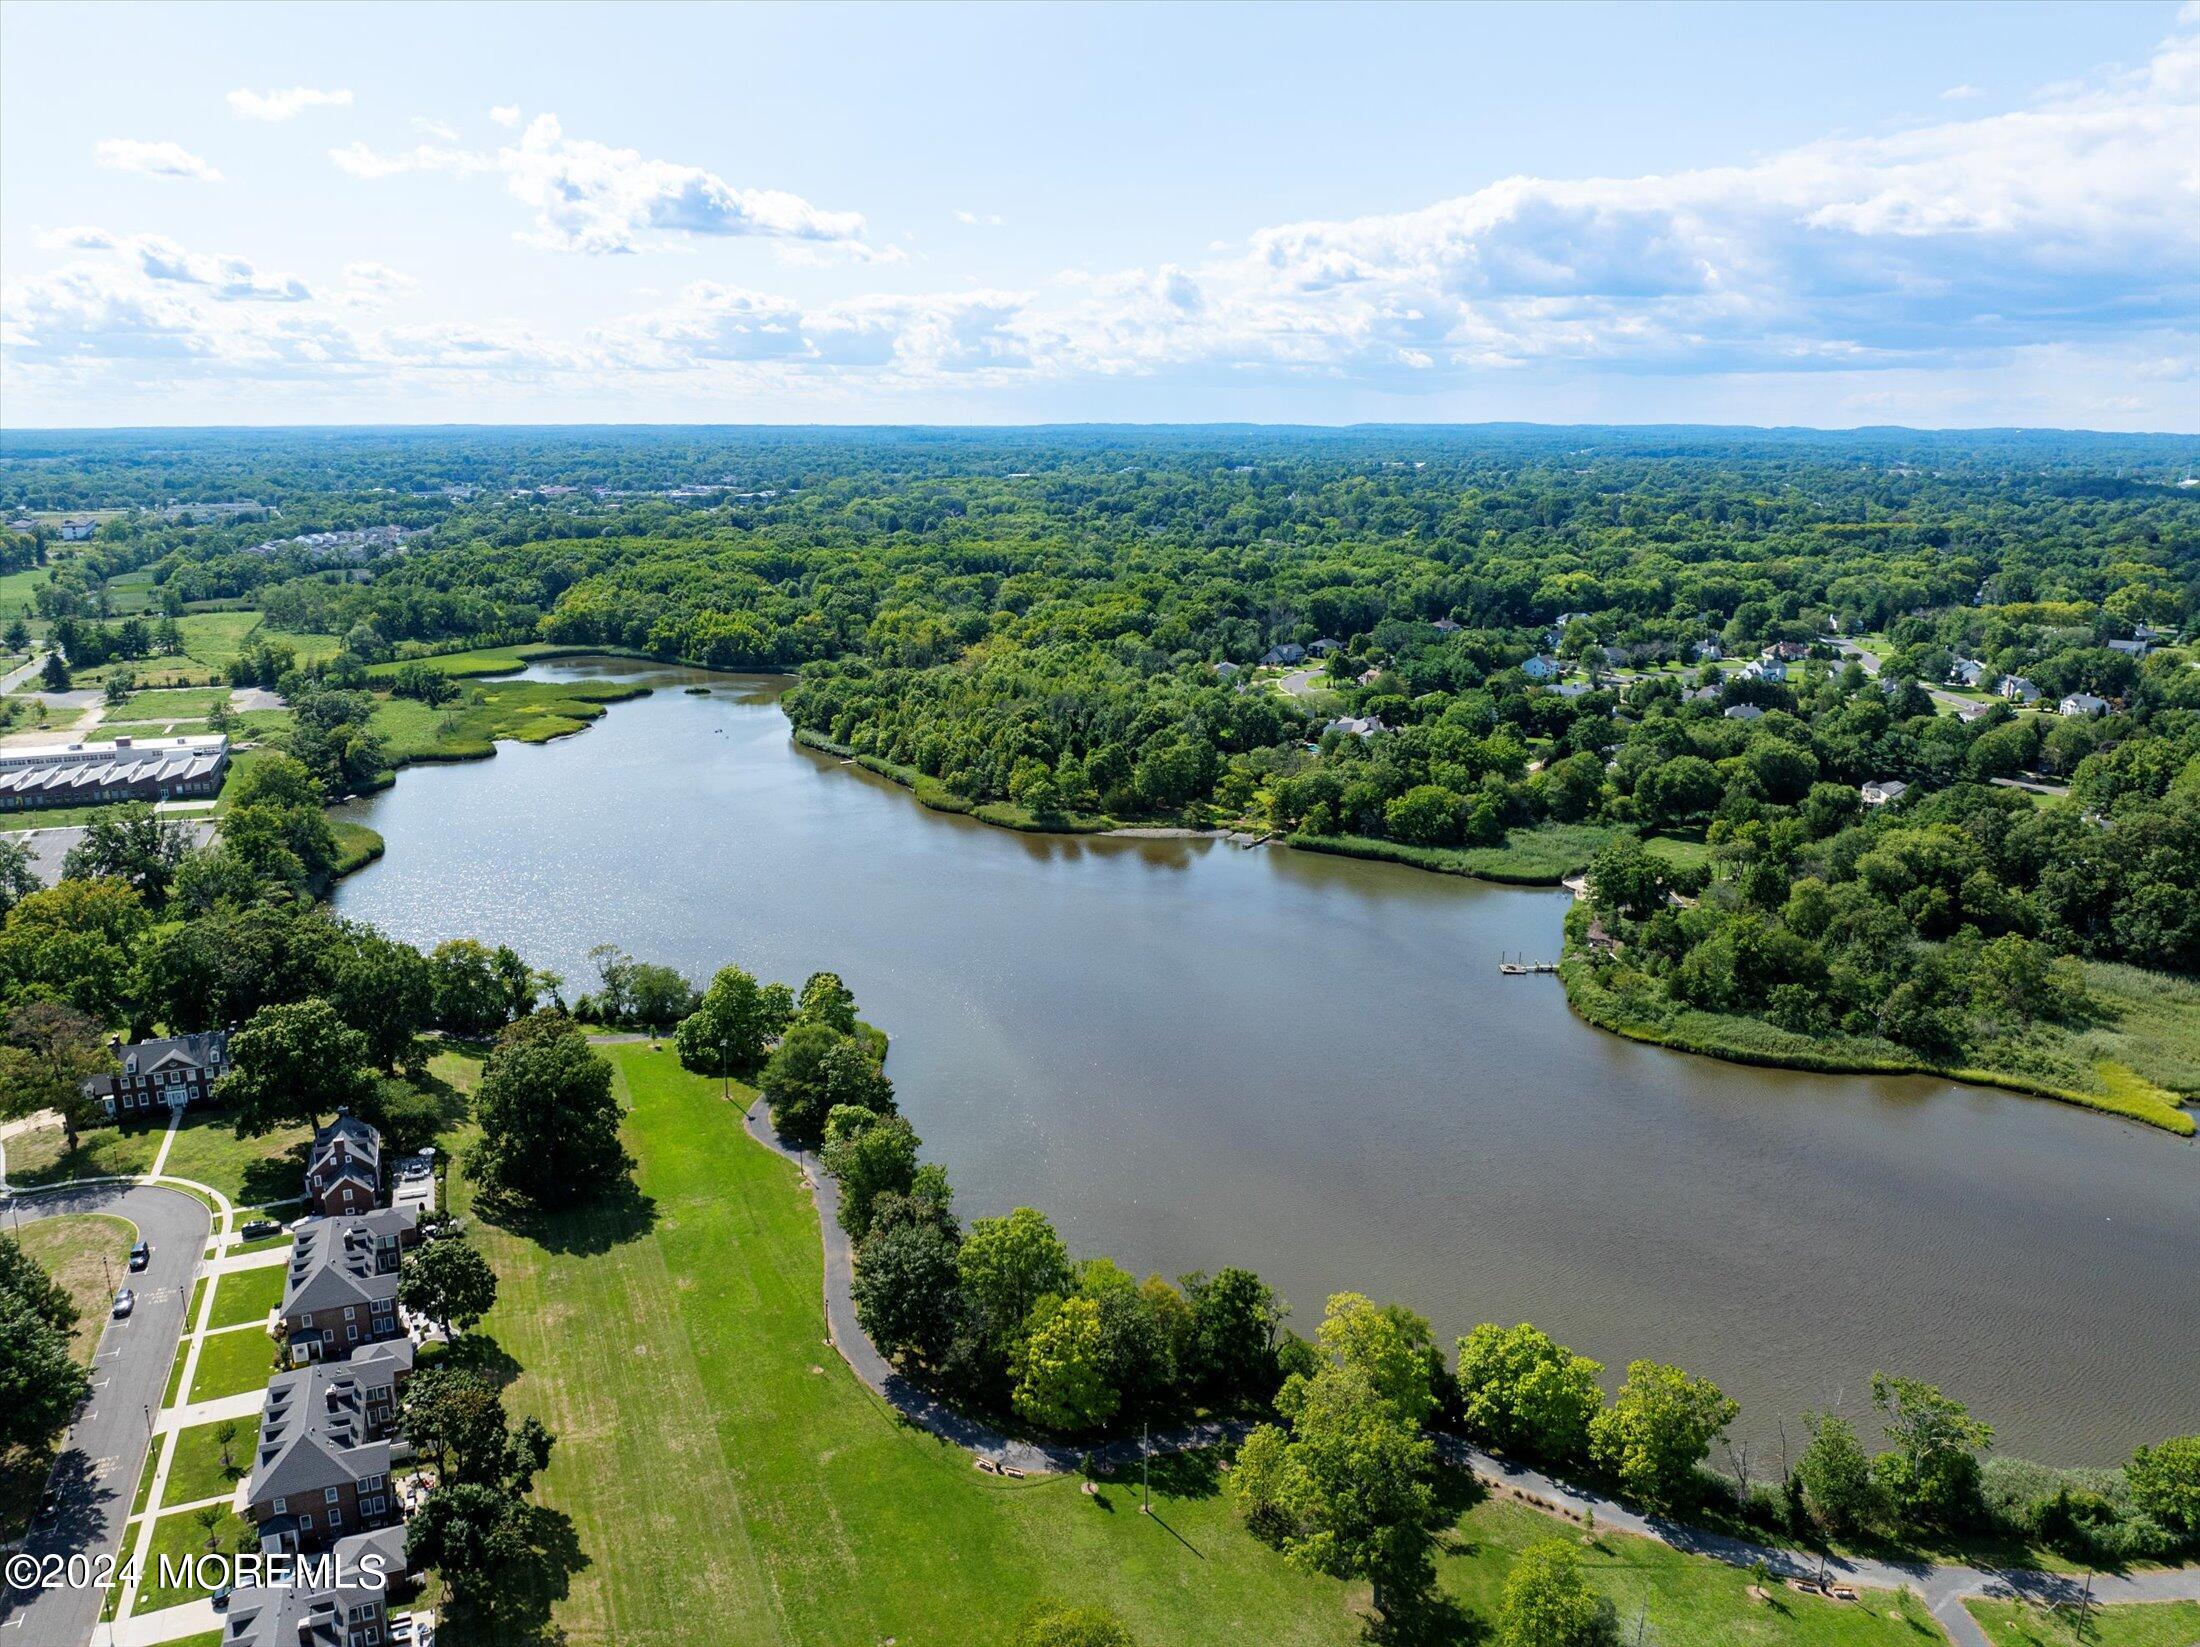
(729, 1481)
(2158, 1624)
(247, 1295)
(232, 1362)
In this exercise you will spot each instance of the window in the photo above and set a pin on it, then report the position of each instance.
(278, 1507)
(335, 1515)
(331, 1494)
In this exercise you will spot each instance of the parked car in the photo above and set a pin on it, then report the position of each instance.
(220, 1597)
(125, 1302)
(141, 1255)
(260, 1228)
(49, 1506)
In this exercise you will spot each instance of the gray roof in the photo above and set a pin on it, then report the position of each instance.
(347, 1148)
(332, 1262)
(307, 1464)
(330, 1397)
(301, 1615)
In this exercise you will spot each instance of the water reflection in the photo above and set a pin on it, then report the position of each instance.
(1192, 1054)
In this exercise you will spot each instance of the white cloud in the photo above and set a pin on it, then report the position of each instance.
(1961, 94)
(505, 114)
(284, 105)
(591, 197)
(442, 130)
(79, 238)
(990, 220)
(130, 154)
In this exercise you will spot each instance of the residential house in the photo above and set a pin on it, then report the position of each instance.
(2019, 690)
(158, 1076)
(1541, 668)
(1966, 672)
(2131, 648)
(349, 1403)
(76, 531)
(315, 1485)
(1368, 677)
(1882, 790)
(1967, 713)
(1702, 694)
(1288, 652)
(1571, 689)
(1325, 647)
(2153, 635)
(1445, 626)
(1226, 669)
(2083, 703)
(1709, 651)
(345, 1603)
(1765, 669)
(1787, 651)
(1745, 712)
(341, 1292)
(1360, 726)
(344, 1169)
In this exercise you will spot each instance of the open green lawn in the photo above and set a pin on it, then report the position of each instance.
(182, 1537)
(37, 1157)
(729, 1481)
(231, 1363)
(482, 660)
(17, 590)
(468, 727)
(197, 1471)
(247, 1295)
(267, 1168)
(1542, 856)
(2161, 1624)
(171, 704)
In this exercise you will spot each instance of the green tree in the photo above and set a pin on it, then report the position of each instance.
(1931, 1471)
(1835, 1477)
(21, 1276)
(293, 1064)
(2165, 1482)
(1007, 1265)
(53, 674)
(133, 844)
(1058, 1368)
(1232, 1352)
(826, 1000)
(1548, 1603)
(1521, 1391)
(470, 996)
(17, 879)
(874, 1156)
(76, 943)
(907, 1289)
(448, 1282)
(1388, 1344)
(814, 1069)
(1625, 880)
(549, 1123)
(1658, 1430)
(729, 1028)
(40, 1382)
(385, 990)
(50, 1053)
(1344, 1491)
(475, 1537)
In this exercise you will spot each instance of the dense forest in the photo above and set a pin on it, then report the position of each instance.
(1883, 737)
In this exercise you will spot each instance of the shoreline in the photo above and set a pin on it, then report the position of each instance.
(931, 794)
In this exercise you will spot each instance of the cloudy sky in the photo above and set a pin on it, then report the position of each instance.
(530, 213)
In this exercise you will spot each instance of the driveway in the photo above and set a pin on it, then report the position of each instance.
(104, 1451)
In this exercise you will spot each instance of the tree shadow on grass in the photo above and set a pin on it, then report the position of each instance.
(477, 1352)
(516, 1611)
(1421, 1615)
(621, 1214)
(1195, 1474)
(275, 1178)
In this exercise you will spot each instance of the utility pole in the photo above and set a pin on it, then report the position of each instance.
(2085, 1604)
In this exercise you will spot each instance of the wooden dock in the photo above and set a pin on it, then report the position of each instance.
(1524, 968)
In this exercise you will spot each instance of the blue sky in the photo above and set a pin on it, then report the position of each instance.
(1831, 215)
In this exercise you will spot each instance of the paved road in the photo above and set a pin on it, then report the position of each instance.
(1943, 1588)
(104, 1451)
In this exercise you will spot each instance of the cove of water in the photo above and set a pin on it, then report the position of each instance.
(1193, 1055)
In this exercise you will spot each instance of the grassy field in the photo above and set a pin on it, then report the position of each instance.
(17, 590)
(2137, 1060)
(231, 1363)
(468, 727)
(1542, 856)
(180, 1535)
(171, 704)
(88, 1253)
(247, 1295)
(197, 1471)
(37, 1156)
(244, 1169)
(728, 1480)
(2017, 1624)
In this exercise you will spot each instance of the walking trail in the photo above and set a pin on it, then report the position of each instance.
(1944, 1586)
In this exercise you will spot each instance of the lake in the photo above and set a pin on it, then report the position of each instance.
(1191, 1054)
